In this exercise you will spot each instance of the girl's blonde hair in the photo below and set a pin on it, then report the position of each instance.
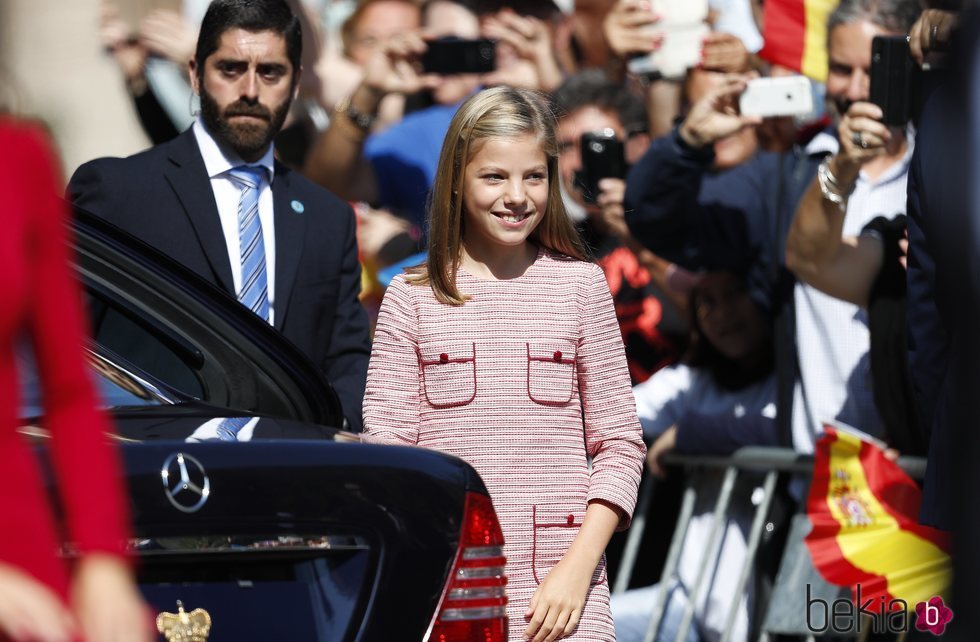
(501, 112)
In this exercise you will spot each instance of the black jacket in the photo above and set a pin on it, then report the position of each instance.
(164, 197)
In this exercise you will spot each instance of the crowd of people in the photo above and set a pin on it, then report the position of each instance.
(439, 244)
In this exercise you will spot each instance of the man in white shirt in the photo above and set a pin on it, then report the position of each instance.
(216, 200)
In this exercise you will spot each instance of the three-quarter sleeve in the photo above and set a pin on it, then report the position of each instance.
(612, 432)
(85, 462)
(391, 398)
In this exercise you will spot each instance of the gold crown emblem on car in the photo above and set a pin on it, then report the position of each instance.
(183, 626)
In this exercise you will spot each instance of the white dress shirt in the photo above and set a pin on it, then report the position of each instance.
(832, 336)
(227, 195)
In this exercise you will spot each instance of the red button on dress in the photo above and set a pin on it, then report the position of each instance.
(443, 358)
(571, 520)
(558, 358)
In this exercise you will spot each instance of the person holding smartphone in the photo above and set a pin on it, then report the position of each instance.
(678, 208)
(396, 167)
(649, 305)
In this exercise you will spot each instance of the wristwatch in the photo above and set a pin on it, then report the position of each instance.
(363, 121)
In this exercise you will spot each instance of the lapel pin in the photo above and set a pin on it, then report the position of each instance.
(297, 207)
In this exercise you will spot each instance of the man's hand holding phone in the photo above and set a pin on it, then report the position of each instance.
(863, 138)
(528, 38)
(717, 114)
(395, 67)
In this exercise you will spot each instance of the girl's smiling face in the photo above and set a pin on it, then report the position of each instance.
(505, 193)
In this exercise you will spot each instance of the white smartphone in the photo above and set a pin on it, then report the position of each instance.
(683, 27)
(779, 96)
(681, 50)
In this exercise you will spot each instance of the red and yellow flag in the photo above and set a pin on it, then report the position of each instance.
(863, 508)
(795, 34)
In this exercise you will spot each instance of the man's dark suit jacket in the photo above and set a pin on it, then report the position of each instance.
(944, 280)
(944, 312)
(164, 197)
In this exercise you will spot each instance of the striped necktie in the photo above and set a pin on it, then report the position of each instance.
(254, 293)
(229, 428)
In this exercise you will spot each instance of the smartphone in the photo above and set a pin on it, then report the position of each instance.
(684, 28)
(777, 96)
(894, 79)
(603, 156)
(448, 56)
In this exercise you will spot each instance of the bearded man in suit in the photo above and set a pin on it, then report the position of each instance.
(216, 200)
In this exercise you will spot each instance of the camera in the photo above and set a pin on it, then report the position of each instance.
(448, 56)
(603, 156)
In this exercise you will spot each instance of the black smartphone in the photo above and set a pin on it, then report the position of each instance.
(603, 156)
(895, 79)
(448, 56)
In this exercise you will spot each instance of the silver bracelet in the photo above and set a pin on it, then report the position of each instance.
(830, 187)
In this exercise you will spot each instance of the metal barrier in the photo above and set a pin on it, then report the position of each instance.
(770, 461)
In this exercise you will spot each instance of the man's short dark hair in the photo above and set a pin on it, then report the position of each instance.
(593, 88)
(250, 15)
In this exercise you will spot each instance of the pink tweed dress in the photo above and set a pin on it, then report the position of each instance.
(526, 381)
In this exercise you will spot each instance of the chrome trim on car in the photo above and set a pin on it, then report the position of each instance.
(480, 572)
(482, 552)
(128, 380)
(153, 546)
(473, 613)
(477, 593)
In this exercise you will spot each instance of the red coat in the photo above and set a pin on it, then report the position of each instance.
(41, 302)
(526, 381)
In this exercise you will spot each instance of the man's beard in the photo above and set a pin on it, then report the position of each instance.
(245, 139)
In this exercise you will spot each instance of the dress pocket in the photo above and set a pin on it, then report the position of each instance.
(449, 374)
(555, 527)
(551, 372)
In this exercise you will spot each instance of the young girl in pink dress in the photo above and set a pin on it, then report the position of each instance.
(503, 349)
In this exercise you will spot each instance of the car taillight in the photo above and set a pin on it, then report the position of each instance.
(473, 606)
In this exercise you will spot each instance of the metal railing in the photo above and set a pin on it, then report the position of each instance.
(773, 462)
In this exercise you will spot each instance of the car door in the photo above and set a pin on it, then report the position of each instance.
(149, 313)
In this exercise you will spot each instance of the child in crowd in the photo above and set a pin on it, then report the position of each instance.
(721, 398)
(503, 349)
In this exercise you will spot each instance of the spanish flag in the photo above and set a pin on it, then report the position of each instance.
(863, 508)
(795, 35)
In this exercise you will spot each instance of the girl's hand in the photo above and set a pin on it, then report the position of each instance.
(30, 610)
(557, 604)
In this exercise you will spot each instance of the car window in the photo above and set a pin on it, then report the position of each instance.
(115, 387)
(116, 328)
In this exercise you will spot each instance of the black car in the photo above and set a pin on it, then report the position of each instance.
(302, 532)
